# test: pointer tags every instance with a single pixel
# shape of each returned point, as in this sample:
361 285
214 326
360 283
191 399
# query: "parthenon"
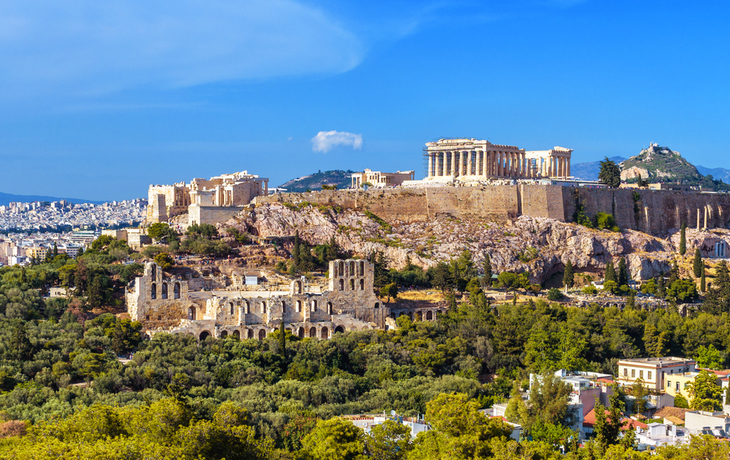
477 160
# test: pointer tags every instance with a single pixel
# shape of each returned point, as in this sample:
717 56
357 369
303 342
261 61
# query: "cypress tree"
623 273
568 275
660 285
697 264
610 272
295 251
703 286
282 342
487 265
683 240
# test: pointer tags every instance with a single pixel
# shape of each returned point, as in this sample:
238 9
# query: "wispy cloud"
324 141
92 47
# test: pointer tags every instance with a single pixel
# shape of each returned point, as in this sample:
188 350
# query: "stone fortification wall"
651 211
210 214
498 202
655 211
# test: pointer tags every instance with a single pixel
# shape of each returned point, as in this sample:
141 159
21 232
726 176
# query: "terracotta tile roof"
590 420
667 411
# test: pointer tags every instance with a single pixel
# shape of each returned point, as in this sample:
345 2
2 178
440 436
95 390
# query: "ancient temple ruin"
165 303
205 201
479 160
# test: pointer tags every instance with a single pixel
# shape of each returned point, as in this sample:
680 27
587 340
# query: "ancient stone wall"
210 214
351 305
653 211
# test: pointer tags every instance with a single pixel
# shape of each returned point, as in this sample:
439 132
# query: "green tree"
159 230
703 283
568 275
164 260
487 267
390 291
608 425
459 430
639 392
610 273
708 357
682 290
683 239
334 439
697 264
513 281
554 294
704 392
388 441
610 173
623 273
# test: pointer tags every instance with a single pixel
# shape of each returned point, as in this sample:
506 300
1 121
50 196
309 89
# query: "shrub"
590 290
554 294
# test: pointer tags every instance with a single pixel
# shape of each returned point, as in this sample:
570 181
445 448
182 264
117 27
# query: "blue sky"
100 99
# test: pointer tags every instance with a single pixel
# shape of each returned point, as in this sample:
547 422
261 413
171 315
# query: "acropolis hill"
650 211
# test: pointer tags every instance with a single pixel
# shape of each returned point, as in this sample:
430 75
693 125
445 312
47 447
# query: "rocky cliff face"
540 246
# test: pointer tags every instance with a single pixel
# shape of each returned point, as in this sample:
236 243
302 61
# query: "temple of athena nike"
472 160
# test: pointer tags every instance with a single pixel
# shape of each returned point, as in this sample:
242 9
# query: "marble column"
430 164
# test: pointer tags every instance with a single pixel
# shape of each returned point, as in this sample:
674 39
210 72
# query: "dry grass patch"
430 295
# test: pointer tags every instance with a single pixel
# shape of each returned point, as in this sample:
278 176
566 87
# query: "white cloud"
325 140
95 47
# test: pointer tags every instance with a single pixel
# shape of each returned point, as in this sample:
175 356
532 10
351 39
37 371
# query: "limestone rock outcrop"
540 246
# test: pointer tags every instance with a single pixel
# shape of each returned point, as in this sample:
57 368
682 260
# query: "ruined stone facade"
165 303
472 160
378 179
205 201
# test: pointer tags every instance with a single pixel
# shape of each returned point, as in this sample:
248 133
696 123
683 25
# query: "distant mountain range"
589 170
342 179
6 198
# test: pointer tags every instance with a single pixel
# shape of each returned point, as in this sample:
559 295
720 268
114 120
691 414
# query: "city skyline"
100 101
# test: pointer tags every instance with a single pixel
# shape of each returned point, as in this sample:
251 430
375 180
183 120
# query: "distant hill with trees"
338 177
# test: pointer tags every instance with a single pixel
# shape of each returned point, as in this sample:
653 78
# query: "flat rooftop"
664 361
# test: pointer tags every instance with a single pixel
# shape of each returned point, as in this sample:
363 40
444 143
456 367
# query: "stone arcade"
477 160
163 303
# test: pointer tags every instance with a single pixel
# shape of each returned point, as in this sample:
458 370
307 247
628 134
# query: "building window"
669 384
626 372
648 375
641 374
677 387
633 373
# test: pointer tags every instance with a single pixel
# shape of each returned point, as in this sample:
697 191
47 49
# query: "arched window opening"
314 305
164 290
204 335
262 334
230 306
339 329
283 306
250 334
248 307
362 284
154 271
342 285
176 290
313 332
362 268
429 315
341 270
263 307
299 306
325 333
301 333
153 291
224 334
191 313
237 334
352 284
377 304
329 308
